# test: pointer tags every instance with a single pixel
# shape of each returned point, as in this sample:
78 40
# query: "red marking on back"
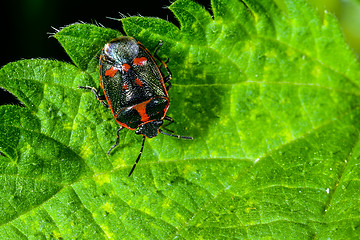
125 67
125 86
140 61
111 72
138 82
141 108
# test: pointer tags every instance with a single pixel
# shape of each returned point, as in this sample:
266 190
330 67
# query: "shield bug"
134 88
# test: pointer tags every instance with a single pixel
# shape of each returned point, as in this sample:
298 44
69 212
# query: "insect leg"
157 49
171 135
96 92
169 119
117 140
169 76
138 158
167 124
174 135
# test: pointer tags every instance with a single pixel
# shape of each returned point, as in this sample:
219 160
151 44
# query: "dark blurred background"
26 24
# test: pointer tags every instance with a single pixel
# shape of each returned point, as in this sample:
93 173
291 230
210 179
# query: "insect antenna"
173 135
138 158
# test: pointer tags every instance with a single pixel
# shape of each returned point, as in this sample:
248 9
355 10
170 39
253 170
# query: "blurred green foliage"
348 13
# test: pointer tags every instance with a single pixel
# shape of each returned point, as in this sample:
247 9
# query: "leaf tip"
52 34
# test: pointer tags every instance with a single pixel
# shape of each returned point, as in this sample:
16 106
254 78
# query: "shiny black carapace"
134 88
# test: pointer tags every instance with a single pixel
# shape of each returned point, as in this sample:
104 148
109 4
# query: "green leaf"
270 95
84 41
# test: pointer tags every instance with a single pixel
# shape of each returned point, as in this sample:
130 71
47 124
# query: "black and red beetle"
134 88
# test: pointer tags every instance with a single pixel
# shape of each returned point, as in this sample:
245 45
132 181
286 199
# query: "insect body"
134 88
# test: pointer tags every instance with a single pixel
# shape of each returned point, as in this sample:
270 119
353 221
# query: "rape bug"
134 89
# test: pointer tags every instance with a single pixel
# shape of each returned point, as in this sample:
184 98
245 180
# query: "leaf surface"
270 95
